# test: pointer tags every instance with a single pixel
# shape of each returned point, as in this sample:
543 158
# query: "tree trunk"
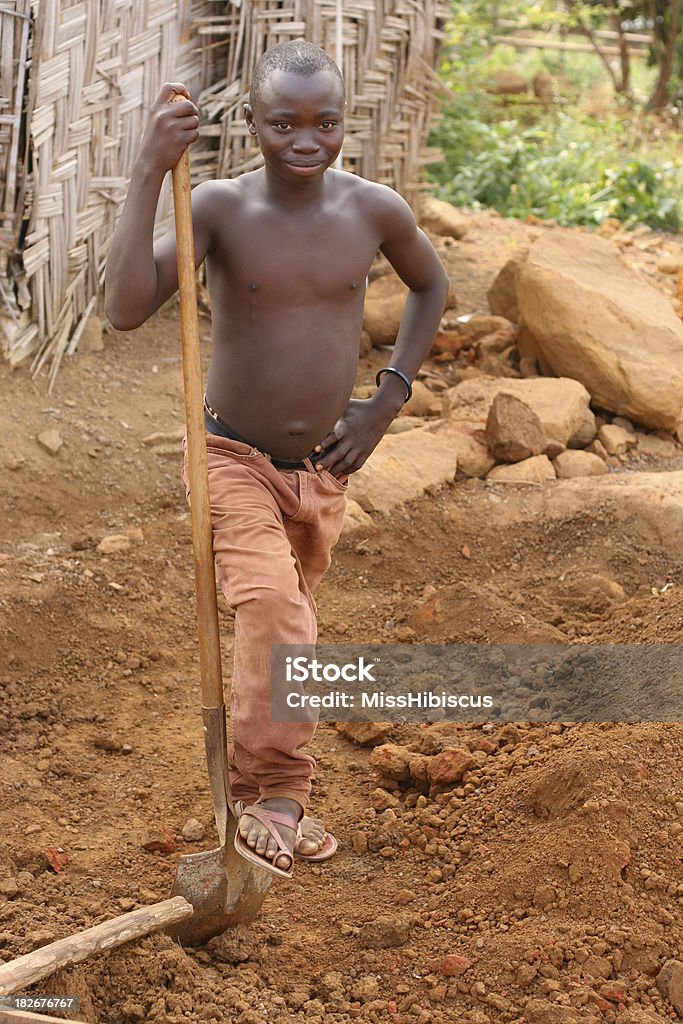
666 62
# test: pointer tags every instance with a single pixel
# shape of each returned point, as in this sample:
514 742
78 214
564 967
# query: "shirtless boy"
288 248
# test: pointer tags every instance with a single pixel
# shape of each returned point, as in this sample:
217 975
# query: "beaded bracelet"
392 369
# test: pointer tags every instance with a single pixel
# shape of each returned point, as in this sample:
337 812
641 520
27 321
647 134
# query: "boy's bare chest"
290 260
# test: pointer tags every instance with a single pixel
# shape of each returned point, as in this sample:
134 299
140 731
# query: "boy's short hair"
298 56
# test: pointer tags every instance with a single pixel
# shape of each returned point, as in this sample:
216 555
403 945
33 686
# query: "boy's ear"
249 118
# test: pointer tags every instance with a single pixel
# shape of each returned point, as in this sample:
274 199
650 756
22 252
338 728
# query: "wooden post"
40 963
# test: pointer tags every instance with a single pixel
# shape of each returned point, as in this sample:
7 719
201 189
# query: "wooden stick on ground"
30 968
24 1017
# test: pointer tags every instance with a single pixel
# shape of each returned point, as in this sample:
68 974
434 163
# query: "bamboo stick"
40 963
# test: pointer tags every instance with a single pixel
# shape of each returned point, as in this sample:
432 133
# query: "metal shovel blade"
223 888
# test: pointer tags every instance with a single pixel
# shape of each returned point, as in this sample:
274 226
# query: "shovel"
223 888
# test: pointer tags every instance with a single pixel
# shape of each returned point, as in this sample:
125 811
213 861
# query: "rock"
381 800
448 341
392 761
467 444
559 403
541 1011
401 468
544 894
365 344
355 519
384 302
92 339
621 421
651 444
51 440
114 544
588 316
585 432
670 983
578 463
670 262
537 469
449 766
502 295
441 218
638 1015
485 328
160 840
365 989
108 743
403 423
507 82
423 402
615 439
453 965
386 932
193 831
513 430
164 437
365 734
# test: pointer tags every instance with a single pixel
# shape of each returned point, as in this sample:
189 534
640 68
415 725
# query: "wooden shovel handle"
202 543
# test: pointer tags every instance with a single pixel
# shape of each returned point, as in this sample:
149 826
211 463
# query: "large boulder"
586 315
384 302
442 219
560 403
401 468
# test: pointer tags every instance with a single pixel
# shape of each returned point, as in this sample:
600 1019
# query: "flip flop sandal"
327 850
269 819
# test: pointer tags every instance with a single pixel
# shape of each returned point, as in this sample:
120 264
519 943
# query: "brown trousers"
273 533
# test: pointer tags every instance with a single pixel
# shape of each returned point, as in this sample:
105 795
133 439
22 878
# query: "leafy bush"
570 167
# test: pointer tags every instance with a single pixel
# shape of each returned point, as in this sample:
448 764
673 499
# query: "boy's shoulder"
379 203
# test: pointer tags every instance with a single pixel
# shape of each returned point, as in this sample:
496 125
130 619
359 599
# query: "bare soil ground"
547 887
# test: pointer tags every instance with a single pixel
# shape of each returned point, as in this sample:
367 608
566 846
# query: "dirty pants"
273 533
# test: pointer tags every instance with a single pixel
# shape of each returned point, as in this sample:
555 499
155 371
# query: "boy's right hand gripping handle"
202 542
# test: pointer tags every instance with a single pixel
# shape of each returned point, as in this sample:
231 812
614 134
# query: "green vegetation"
592 152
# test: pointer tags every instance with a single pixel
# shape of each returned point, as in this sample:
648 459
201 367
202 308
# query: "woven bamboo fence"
389 51
77 78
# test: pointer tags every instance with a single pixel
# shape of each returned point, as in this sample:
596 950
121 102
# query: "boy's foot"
261 841
312 832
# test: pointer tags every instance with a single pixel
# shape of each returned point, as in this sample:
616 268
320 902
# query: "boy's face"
299 121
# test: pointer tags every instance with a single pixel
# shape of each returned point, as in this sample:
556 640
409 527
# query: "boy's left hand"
354 436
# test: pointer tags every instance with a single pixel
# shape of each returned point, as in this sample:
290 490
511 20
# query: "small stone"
537 470
574 463
114 544
449 766
543 895
513 430
670 984
161 840
385 932
381 799
392 761
359 842
51 440
365 989
193 831
615 439
453 965
670 262
108 743
366 734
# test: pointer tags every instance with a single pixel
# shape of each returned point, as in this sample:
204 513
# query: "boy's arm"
141 274
414 259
